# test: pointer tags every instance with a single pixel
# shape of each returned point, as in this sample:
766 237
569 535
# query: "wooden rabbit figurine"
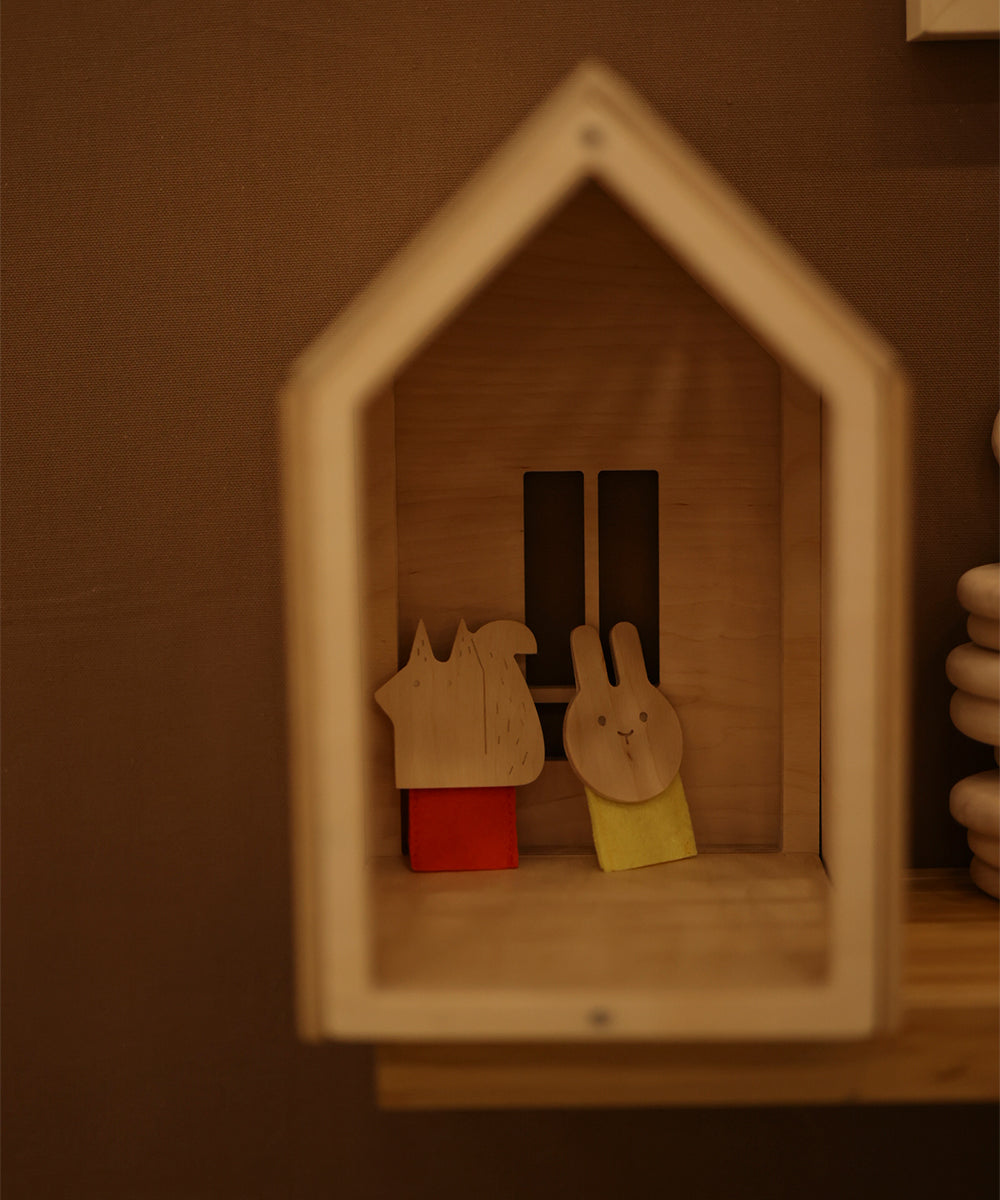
624 742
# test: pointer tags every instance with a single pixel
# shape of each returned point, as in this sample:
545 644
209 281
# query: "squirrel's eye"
602 720
643 716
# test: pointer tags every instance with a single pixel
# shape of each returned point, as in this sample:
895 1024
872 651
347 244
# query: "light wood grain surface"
984 631
975 802
622 739
946 1049
379 610
469 721
974 669
979 591
801 612
594 350
724 921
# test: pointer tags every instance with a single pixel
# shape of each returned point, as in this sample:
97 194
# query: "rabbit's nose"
622 733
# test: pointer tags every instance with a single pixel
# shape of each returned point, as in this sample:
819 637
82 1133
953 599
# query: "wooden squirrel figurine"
466 735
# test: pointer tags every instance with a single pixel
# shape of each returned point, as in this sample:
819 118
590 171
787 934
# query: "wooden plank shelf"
946 1050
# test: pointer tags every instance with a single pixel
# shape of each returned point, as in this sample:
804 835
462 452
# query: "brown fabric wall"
192 190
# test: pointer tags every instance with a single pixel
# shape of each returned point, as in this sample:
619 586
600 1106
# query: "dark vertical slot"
629 559
551 717
553 571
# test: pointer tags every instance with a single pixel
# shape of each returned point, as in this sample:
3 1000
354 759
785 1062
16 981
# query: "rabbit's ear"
626 653
588 660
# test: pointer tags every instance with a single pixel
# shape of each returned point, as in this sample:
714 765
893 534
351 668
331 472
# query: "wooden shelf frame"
946 1050
951 20
595 130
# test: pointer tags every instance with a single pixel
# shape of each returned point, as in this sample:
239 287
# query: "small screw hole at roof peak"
592 135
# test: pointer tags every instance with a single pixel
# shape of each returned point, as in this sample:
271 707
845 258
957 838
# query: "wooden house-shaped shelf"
596 340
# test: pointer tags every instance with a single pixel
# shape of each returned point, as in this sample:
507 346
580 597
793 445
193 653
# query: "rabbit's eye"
602 720
643 716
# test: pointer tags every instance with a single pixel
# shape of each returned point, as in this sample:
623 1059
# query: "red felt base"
462 829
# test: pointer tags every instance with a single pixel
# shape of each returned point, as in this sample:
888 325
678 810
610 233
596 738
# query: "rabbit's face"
624 741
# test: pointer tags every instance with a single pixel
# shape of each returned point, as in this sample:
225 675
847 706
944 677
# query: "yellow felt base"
638 835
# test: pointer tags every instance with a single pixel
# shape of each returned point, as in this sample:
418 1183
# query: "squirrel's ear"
421 649
588 659
626 654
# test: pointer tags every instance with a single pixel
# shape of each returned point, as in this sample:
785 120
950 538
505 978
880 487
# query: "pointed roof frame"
596 127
